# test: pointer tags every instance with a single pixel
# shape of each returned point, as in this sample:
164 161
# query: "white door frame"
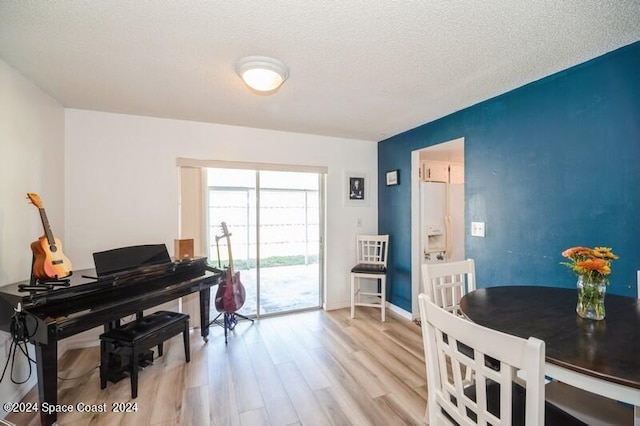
415 229
416 255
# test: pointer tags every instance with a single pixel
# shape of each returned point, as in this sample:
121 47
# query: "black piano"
125 281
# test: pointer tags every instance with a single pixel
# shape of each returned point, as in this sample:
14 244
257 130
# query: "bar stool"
371 252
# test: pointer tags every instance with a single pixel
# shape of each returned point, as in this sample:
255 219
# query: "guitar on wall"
231 293
49 263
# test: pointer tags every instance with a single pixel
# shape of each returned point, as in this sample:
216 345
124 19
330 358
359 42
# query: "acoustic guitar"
49 263
231 293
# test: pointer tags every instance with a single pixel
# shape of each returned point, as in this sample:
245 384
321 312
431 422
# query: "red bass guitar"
231 293
49 261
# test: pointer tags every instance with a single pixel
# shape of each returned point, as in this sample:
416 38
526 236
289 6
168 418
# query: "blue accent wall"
550 165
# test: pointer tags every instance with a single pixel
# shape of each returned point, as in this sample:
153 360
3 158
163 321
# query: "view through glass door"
275 223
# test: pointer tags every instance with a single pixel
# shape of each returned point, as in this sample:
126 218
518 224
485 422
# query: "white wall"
110 180
31 160
122 181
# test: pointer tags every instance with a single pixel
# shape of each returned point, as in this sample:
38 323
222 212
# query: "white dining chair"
446 283
494 398
590 408
371 263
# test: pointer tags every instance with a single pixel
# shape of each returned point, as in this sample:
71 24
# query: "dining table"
599 356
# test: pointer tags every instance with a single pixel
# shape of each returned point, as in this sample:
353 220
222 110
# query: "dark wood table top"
608 349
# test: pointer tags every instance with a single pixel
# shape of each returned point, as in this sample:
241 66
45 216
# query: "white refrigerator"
442 221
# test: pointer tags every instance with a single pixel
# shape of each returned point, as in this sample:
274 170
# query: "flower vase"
591 292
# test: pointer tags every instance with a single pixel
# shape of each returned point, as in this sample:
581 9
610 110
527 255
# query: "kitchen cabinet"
440 171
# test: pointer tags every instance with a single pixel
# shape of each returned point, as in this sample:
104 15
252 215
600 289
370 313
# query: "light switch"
477 229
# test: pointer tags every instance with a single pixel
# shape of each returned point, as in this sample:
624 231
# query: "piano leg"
205 306
47 367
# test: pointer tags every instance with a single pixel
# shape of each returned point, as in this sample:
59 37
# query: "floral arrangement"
593 264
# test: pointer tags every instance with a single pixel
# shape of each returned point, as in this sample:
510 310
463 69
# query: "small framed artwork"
356 191
392 177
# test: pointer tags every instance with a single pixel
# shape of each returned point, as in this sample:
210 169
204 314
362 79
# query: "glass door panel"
275 222
289 241
232 199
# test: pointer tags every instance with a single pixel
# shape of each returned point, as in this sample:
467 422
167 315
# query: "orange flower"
595 264
589 263
604 253
577 251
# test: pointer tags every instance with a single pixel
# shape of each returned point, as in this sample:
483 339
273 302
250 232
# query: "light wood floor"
313 368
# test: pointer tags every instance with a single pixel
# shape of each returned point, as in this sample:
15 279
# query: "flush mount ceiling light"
262 73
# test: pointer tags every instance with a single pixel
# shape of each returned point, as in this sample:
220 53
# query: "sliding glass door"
275 221
289 241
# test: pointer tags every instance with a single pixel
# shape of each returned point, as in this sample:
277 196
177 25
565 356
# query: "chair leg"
426 413
185 335
133 365
353 296
104 360
383 295
160 349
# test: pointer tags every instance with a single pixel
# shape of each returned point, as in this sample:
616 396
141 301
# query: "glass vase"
591 292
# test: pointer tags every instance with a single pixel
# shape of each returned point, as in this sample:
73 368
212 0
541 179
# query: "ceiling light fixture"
261 73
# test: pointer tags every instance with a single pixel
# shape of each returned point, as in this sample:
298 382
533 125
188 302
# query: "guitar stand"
229 319
228 322
36 284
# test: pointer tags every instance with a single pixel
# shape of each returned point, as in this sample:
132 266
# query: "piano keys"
99 297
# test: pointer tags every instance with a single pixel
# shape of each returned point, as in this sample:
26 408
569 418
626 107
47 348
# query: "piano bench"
133 340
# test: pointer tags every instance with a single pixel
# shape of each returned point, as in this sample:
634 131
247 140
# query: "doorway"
437 209
275 220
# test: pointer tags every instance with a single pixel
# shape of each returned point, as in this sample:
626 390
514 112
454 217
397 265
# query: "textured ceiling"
363 69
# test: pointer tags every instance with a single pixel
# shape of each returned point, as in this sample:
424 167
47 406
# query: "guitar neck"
230 256
46 226
227 235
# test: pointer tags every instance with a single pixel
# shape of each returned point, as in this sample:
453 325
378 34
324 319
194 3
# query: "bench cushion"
144 326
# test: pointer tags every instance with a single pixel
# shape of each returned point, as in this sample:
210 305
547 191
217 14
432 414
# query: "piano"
125 281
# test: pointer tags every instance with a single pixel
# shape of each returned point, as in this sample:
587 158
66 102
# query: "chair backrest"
372 249
446 283
452 345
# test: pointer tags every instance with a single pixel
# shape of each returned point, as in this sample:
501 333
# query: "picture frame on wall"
392 177
356 189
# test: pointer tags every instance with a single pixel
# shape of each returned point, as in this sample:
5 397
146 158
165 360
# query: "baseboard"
15 392
334 306
393 308
21 391
86 339
400 312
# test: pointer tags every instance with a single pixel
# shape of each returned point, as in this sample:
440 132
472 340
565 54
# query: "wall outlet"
477 229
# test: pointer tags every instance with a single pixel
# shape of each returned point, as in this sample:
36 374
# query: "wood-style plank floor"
311 368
